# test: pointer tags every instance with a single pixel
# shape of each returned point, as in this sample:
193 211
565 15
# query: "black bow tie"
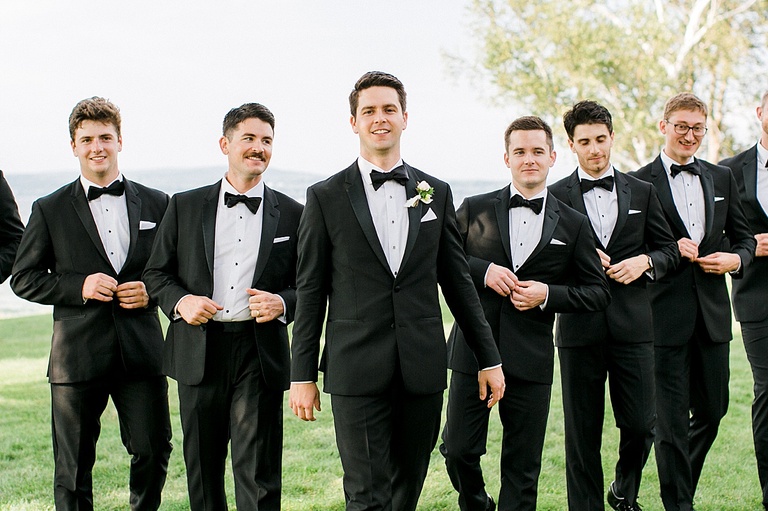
117 188
604 182
252 203
379 178
535 205
688 167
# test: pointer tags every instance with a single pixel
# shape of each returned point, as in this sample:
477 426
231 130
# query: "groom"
375 240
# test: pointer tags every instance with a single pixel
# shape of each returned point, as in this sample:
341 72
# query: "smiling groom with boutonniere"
377 265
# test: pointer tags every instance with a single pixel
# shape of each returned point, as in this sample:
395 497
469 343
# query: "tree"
631 56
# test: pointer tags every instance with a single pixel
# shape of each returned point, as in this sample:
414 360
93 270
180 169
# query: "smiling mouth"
255 157
380 132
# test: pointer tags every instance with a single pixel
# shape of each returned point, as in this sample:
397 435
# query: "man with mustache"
691 309
223 270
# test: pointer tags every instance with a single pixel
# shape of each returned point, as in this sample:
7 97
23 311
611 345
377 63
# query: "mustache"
259 155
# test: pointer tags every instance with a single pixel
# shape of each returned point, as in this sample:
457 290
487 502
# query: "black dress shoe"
620 503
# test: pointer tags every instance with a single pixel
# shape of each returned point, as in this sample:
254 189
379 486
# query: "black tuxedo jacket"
676 296
379 323
11 229
748 293
565 259
640 229
182 264
59 249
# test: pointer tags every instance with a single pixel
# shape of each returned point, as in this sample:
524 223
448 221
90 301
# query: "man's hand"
197 310
132 295
719 262
629 269
605 259
528 294
99 286
500 279
762 245
688 249
264 306
493 378
304 399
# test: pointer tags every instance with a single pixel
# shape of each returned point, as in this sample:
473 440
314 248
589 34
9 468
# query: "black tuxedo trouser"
523 413
755 335
145 429
691 399
232 402
385 443
584 370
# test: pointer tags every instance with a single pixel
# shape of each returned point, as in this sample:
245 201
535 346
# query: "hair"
375 79
529 123
94 109
586 112
684 101
244 112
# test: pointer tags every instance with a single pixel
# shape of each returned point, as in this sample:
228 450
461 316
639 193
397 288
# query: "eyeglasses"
683 129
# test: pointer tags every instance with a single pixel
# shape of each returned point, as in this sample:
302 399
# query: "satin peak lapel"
208 215
133 202
502 221
268 229
80 203
551 218
414 214
624 199
575 195
708 186
660 181
356 194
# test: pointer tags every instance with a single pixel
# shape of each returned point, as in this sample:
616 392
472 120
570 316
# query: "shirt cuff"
176 316
485 277
281 318
546 299
489 368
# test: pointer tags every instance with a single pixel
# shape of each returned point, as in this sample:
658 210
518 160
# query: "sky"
175 68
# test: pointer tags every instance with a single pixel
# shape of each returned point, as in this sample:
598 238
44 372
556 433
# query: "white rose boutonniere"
424 193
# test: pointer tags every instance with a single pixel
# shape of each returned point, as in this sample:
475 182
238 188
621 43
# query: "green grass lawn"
312 472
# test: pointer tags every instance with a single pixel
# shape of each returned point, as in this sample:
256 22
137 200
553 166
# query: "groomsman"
691 309
11 229
223 270
375 241
636 246
83 252
530 256
750 169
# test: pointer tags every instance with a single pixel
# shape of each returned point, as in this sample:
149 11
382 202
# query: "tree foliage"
630 55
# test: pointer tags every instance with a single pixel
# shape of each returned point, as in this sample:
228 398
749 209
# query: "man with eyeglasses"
691 309
750 169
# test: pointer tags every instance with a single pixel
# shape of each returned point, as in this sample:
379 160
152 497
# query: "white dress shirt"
524 228
762 177
390 216
110 213
602 207
689 198
237 243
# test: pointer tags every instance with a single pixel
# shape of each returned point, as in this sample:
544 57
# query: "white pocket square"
281 239
428 216
718 199
145 224
555 241
634 211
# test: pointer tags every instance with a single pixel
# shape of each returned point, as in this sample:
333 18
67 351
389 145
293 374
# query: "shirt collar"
87 184
256 191
367 167
583 176
762 154
668 162
514 191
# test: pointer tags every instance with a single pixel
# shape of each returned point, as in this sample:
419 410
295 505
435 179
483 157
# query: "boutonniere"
423 193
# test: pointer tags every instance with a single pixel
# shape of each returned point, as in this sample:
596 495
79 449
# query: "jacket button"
397 289
392 326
